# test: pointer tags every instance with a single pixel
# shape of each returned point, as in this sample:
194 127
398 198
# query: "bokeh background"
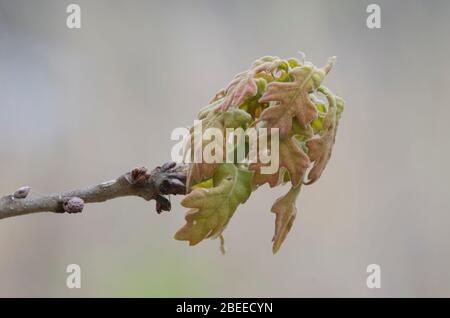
78 107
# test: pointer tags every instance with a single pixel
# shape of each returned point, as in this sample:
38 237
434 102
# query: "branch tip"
167 179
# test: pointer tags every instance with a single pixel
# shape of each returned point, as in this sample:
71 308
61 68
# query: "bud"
21 193
73 205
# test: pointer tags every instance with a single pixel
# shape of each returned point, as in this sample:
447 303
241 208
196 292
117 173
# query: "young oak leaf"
320 146
292 98
244 85
285 210
211 107
291 158
232 118
208 117
212 208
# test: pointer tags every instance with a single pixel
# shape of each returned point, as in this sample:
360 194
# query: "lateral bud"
138 176
21 193
73 205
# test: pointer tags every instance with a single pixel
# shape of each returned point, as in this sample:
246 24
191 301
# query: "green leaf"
212 208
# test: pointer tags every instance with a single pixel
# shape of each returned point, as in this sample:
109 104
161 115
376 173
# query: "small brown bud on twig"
73 205
139 176
21 193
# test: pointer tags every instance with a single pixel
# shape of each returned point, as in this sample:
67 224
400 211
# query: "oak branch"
168 179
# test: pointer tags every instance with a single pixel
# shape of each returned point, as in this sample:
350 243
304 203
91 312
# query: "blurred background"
78 107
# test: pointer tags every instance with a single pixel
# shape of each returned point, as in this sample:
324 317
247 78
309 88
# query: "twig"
168 179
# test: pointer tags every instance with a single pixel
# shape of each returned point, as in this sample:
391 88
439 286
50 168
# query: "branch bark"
168 179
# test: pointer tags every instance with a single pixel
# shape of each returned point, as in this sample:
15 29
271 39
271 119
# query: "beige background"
80 107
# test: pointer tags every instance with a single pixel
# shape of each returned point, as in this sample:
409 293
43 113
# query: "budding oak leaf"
212 208
292 98
320 146
212 118
285 210
291 158
244 85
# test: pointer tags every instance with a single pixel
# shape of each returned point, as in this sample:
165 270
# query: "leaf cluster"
273 93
